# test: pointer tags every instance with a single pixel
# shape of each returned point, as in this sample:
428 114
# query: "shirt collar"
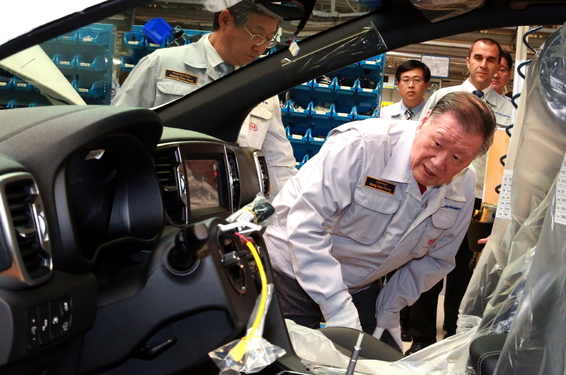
416 110
488 92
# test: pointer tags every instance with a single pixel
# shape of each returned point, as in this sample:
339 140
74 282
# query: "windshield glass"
91 64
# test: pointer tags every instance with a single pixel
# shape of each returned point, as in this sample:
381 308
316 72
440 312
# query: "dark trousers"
299 307
422 321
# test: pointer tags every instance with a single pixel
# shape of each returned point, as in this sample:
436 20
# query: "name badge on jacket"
374 183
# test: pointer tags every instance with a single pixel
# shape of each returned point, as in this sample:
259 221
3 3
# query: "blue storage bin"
303 161
134 39
5 83
322 112
285 107
12 104
303 111
127 63
93 37
343 89
96 90
297 136
343 112
96 65
21 85
324 87
367 91
305 86
68 38
375 64
157 30
64 60
317 139
361 112
150 46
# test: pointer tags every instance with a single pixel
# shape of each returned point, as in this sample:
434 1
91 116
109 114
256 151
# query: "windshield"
91 64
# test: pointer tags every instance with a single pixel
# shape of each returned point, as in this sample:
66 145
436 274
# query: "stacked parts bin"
84 56
312 109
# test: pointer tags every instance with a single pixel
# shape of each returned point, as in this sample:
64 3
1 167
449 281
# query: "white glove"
395 333
346 317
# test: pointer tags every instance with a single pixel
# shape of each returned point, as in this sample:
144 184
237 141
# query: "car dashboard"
112 254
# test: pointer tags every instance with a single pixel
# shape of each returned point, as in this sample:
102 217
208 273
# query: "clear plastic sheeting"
252 353
540 139
535 343
438 10
449 356
335 55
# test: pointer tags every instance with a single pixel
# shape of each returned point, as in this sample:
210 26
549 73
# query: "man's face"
441 150
502 76
238 47
412 86
483 63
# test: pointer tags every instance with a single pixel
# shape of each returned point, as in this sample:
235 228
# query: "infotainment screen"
202 176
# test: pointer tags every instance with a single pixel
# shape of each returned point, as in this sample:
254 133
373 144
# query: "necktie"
478 93
224 68
408 114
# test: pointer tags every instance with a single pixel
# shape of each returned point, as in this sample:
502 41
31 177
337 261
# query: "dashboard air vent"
263 174
167 165
234 181
25 228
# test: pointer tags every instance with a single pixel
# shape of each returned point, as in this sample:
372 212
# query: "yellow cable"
239 350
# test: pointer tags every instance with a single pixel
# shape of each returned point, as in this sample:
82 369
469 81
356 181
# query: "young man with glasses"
502 77
241 34
412 79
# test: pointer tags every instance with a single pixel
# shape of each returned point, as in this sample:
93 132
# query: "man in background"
483 63
412 79
502 77
241 34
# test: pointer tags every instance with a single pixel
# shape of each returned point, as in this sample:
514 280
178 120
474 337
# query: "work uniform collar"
398 168
205 57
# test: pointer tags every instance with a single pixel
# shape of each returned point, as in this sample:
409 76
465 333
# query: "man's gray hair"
474 115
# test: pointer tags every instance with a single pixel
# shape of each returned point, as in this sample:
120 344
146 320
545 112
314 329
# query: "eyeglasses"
417 81
258 40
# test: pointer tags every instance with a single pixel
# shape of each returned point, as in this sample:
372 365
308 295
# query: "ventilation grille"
167 163
234 181
263 174
25 221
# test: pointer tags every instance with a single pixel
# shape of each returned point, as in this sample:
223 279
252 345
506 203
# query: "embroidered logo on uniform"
452 208
374 183
181 77
431 242
253 127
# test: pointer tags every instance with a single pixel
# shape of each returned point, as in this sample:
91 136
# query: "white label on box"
560 211
504 205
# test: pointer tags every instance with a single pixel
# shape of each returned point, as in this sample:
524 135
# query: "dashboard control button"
32 316
66 305
55 316
44 323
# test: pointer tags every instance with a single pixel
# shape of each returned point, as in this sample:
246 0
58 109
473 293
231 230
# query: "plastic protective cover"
436 10
518 286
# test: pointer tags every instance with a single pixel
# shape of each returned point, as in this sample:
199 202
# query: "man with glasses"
241 34
502 77
412 78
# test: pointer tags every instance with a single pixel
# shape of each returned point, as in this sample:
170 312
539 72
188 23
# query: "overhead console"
203 179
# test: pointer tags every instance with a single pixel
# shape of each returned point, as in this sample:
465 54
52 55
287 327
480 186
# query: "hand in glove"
346 317
394 332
